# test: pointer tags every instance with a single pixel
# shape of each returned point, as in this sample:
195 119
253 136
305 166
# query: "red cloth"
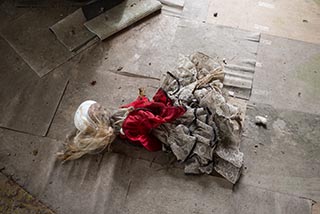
148 115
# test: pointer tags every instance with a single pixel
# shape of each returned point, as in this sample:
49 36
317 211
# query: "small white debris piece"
261 120
266 5
231 93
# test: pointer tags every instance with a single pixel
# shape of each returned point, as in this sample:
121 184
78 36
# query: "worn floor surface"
278 77
292 19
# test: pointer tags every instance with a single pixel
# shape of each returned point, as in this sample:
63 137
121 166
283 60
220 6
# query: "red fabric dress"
148 115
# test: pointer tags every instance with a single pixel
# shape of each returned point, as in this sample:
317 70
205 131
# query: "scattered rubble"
261 121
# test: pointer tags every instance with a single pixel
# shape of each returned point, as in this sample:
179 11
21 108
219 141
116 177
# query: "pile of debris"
188 116
207 136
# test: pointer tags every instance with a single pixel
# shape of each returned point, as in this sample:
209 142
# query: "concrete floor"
282 162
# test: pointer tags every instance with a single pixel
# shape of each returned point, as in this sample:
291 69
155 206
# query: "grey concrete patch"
31 38
121 16
28 103
195 10
285 156
252 200
71 31
172 192
289 74
107 183
113 183
237 47
287 18
167 160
